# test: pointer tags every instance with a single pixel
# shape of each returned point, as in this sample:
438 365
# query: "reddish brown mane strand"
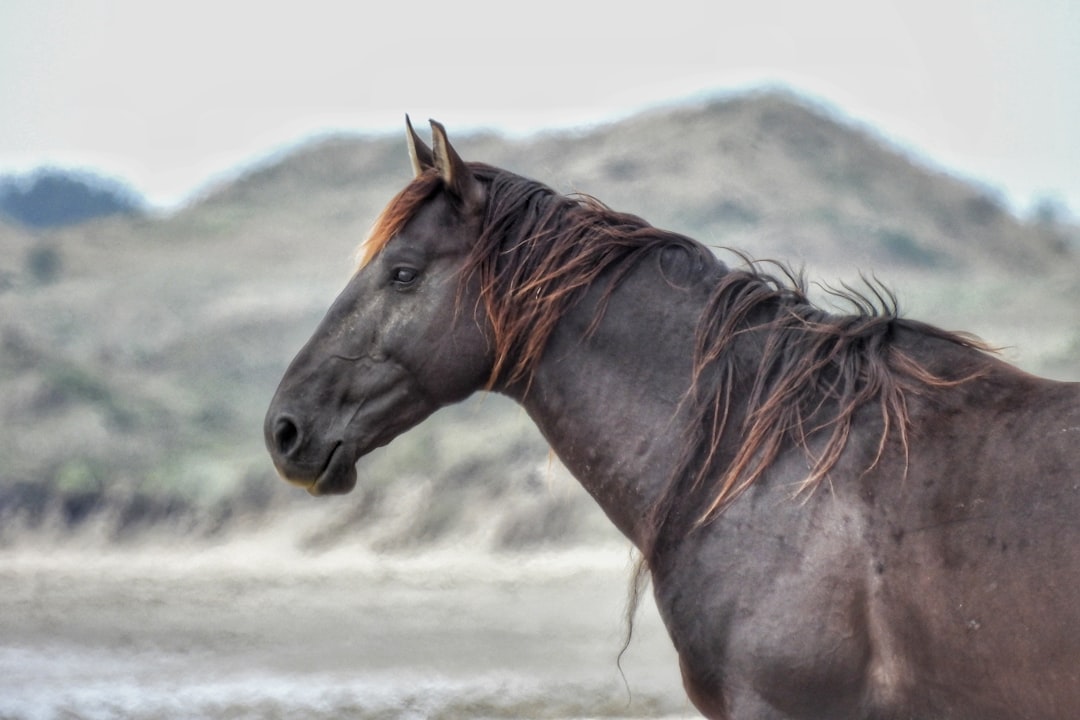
539 252
396 214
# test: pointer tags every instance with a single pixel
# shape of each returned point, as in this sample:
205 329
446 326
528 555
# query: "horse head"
403 338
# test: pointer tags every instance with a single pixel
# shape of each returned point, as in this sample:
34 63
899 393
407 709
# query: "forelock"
397 213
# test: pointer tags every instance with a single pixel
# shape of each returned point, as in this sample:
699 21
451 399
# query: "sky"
170 96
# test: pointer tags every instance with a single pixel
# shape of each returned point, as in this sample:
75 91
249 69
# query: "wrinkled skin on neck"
613 411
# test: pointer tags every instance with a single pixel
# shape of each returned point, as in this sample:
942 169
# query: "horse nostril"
286 436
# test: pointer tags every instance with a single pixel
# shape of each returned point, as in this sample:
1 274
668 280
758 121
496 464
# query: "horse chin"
339 476
336 485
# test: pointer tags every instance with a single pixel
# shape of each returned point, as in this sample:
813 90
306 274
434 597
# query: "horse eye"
404 276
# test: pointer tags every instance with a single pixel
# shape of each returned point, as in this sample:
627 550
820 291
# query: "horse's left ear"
419 152
452 169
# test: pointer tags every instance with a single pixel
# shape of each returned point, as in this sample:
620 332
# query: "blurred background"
181 192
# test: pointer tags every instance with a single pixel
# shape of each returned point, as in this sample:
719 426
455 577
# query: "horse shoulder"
767 605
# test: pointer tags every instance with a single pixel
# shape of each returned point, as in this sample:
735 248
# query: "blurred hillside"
138 354
53 197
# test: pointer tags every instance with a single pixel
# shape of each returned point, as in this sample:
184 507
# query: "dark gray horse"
853 516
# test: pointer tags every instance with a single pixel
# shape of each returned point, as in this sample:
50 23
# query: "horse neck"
609 398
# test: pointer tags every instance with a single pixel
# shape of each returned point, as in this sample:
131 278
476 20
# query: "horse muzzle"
319 468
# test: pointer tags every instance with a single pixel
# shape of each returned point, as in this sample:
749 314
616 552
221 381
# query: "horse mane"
539 251
813 372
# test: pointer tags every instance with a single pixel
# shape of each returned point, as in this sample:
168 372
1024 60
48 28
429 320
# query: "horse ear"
453 170
419 153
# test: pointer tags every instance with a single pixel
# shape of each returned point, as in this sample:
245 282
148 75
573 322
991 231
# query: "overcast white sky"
167 95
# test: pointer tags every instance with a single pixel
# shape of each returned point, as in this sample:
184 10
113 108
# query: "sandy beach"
252 628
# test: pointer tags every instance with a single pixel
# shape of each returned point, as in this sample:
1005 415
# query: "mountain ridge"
738 170
134 372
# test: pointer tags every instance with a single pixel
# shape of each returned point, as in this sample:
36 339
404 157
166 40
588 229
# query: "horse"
843 514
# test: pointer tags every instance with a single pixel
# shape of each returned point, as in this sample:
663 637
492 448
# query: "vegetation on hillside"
137 355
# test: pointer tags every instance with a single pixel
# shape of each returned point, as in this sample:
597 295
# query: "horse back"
940 583
976 549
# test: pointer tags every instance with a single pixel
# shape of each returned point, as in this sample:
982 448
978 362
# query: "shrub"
43 263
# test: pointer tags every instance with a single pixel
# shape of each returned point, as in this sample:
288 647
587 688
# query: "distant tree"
1050 211
44 263
52 197
1057 223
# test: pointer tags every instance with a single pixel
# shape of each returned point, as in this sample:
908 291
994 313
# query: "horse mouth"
338 476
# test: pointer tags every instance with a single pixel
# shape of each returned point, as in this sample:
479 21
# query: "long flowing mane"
813 373
539 252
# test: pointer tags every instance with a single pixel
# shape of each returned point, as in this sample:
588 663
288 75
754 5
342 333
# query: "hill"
54 197
134 373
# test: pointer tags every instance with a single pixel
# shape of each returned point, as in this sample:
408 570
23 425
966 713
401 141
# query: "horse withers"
843 516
